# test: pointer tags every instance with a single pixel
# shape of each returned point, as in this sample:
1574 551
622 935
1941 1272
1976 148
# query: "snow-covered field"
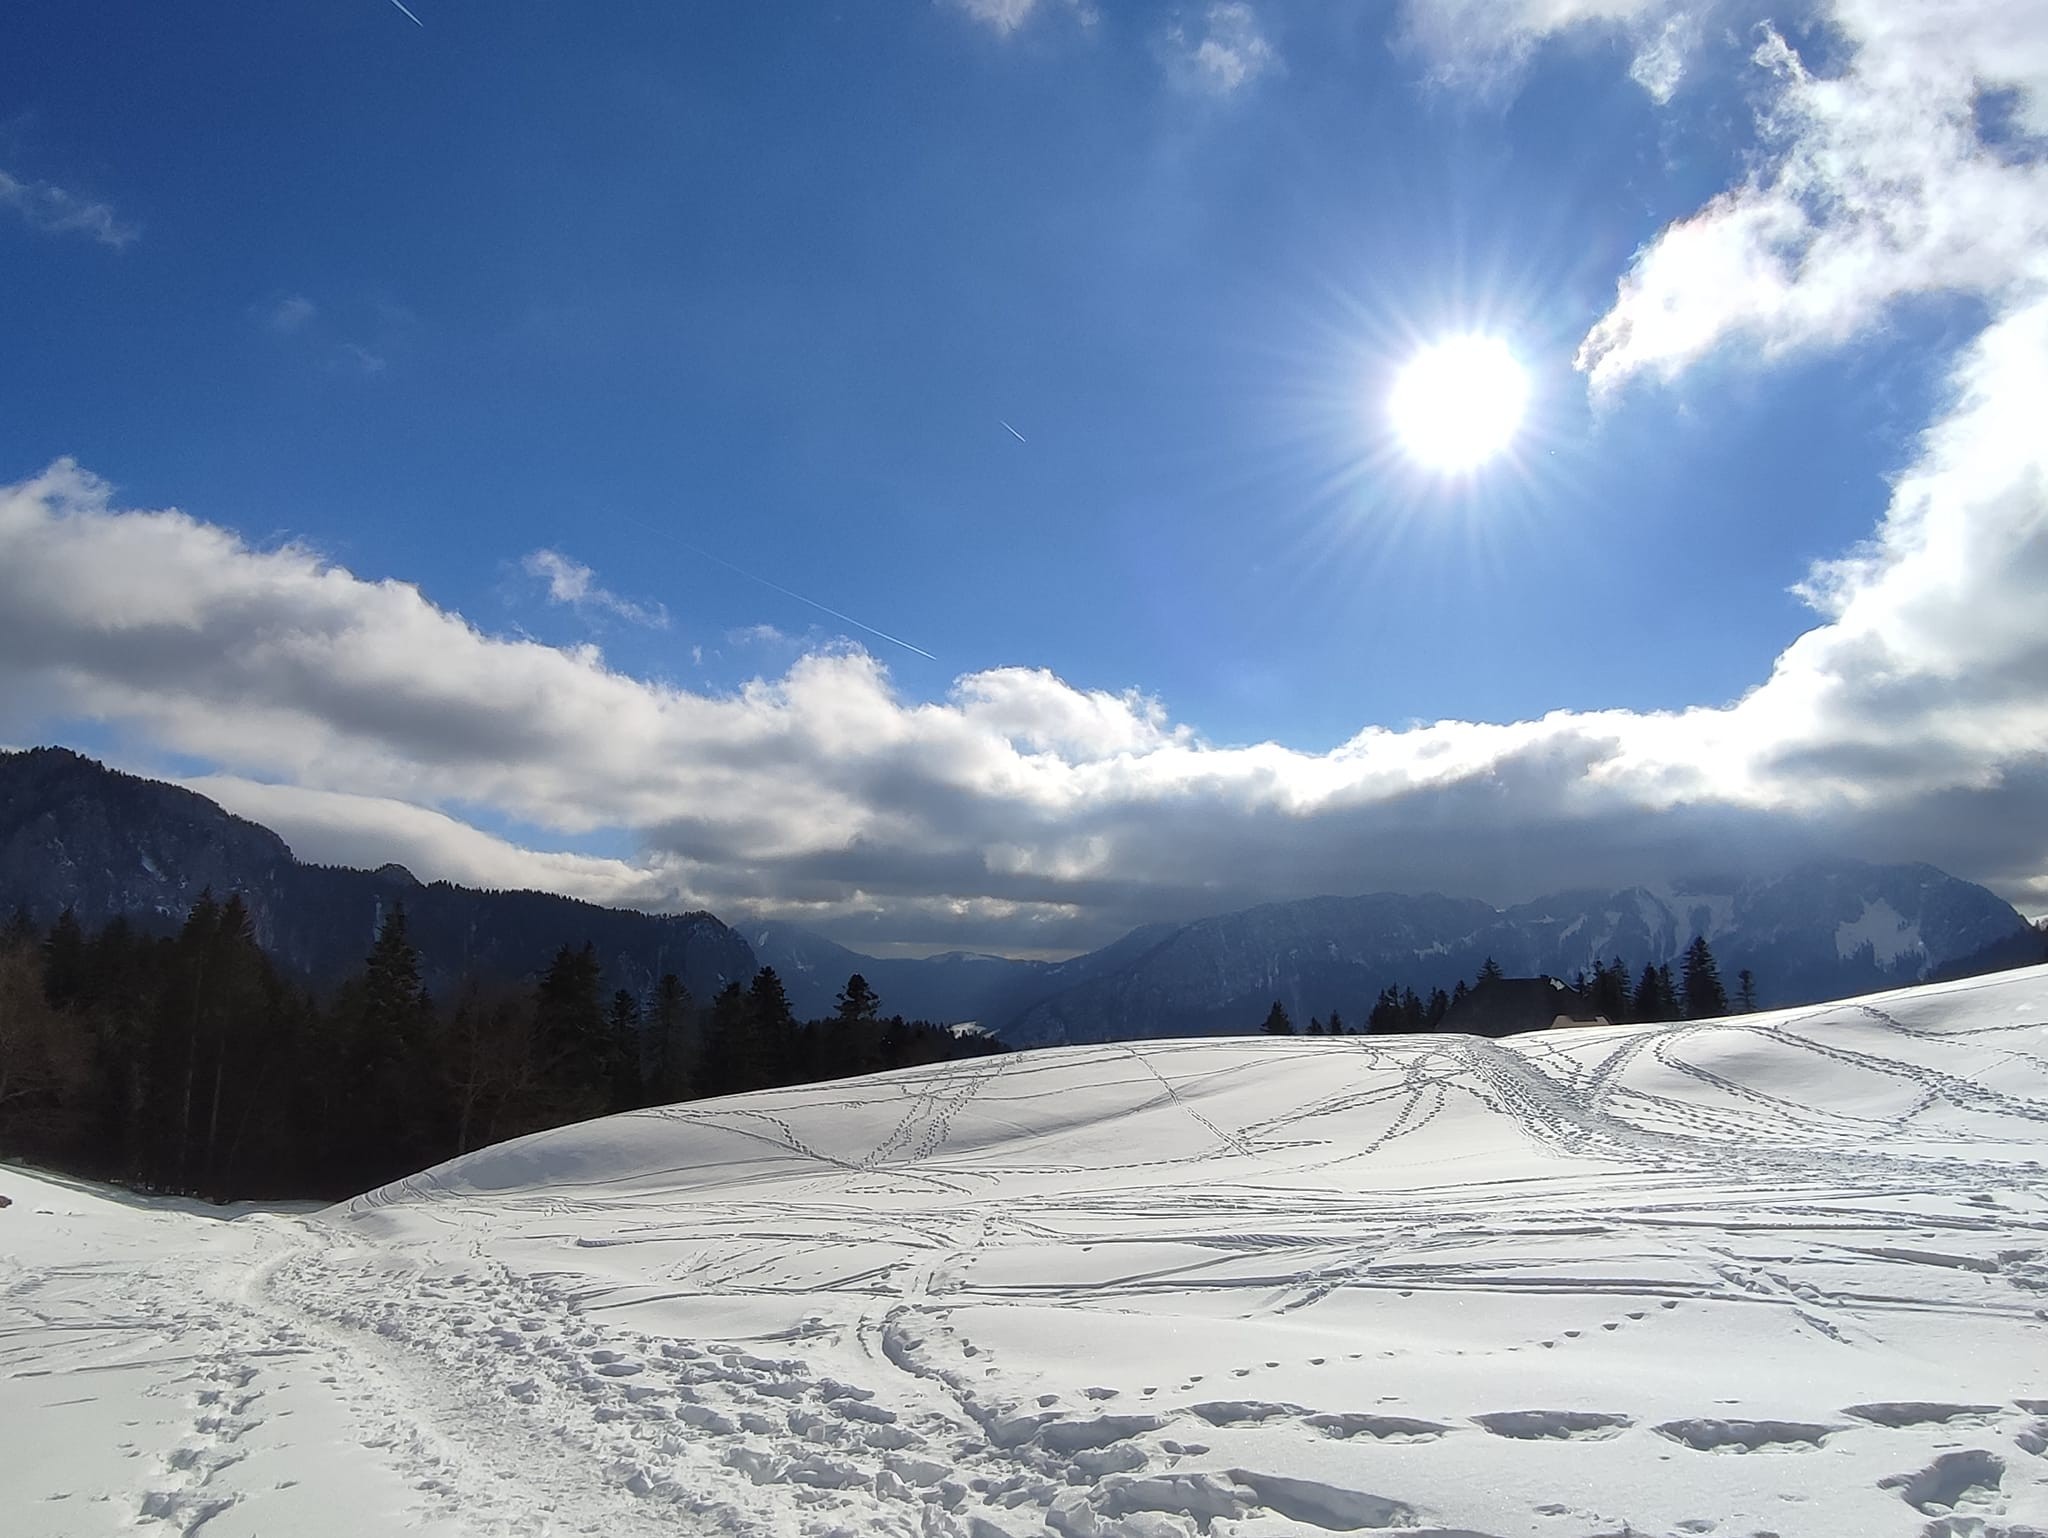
1787 1274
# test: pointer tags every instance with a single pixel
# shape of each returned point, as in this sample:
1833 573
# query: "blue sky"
566 316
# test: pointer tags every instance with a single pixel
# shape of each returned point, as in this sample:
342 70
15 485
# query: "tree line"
1655 995
190 1063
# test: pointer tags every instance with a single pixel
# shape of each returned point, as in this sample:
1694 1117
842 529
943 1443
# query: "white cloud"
360 358
1659 64
1001 16
1022 811
571 582
55 211
1230 52
1876 186
290 314
297 316
1485 44
1005 17
1041 713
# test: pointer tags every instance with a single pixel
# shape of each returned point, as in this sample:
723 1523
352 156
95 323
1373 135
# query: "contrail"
775 586
1013 431
415 20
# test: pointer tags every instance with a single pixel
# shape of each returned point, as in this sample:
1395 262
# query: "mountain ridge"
77 834
74 833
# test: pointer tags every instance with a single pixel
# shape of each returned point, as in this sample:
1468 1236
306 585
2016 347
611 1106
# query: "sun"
1458 402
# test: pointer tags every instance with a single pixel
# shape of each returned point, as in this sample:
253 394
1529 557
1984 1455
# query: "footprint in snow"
1553 1425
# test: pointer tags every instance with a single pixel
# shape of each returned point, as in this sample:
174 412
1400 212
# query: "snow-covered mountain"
1822 931
1778 1274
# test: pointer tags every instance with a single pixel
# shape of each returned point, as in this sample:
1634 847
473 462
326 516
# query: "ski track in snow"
1785 1274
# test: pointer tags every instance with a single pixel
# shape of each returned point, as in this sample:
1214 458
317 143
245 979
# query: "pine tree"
215 1024
727 1043
1608 990
774 1025
487 1065
671 1042
1489 971
1386 1013
386 1104
622 1026
857 1001
572 1038
1277 1023
1439 1006
64 965
1413 1016
1315 1025
1745 991
393 995
1649 1004
44 1065
1336 1024
1705 998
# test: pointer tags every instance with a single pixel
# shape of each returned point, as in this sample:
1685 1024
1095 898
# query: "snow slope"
1785 1274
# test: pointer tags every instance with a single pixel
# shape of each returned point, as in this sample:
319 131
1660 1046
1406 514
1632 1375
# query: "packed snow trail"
1779 1274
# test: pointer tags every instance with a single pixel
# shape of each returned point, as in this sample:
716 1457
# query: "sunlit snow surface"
1780 1275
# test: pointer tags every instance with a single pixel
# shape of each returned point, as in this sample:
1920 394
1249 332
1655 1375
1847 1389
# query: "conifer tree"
857 1001
1386 1013
1653 1000
1705 998
1413 1015
572 1038
43 1065
1608 989
774 1025
383 1109
1336 1024
487 1052
671 1042
214 1018
622 1026
1745 991
1489 971
727 1043
64 962
1277 1023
